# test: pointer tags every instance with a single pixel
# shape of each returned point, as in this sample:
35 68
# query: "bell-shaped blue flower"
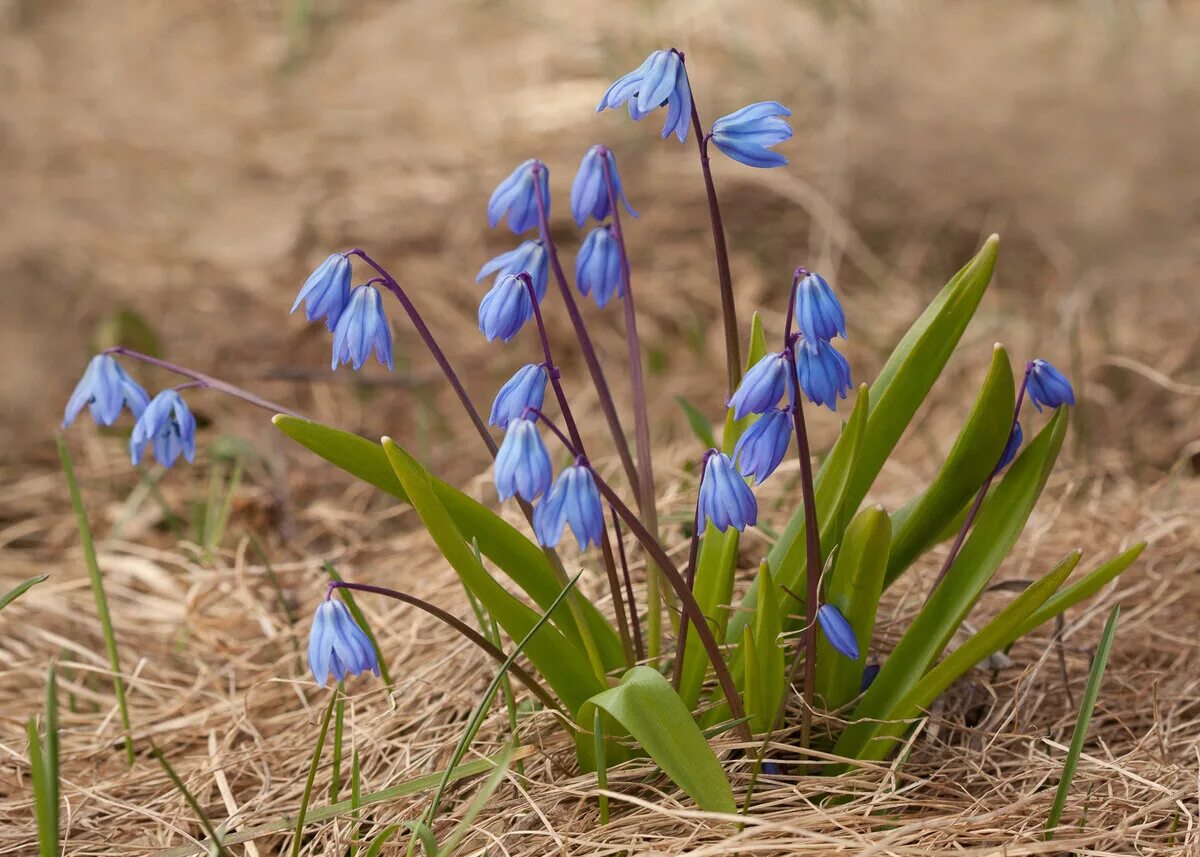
337 646
505 309
822 371
748 134
660 80
107 389
526 389
725 498
517 197
326 291
575 500
838 631
1048 386
529 257
869 674
762 446
362 327
522 465
589 191
819 313
169 426
1015 437
761 387
598 266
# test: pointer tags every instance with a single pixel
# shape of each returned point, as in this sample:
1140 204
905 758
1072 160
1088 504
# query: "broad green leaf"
854 589
1085 587
559 660
701 425
971 460
771 671
753 697
996 530
650 710
20 589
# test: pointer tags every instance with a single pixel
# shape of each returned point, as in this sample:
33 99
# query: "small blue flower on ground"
505 309
598 266
838 631
1048 386
819 313
362 327
326 291
337 646
725 498
529 257
516 196
760 449
107 389
1015 438
661 79
761 387
748 134
822 371
169 426
525 389
522 463
573 500
589 191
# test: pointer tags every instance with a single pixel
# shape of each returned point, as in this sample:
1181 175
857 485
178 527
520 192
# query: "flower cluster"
355 316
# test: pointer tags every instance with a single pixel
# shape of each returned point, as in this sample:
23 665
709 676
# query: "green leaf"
20 589
996 530
854 589
701 425
477 803
646 705
772 677
1085 587
381 838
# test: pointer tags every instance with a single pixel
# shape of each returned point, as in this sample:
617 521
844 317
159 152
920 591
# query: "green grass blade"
700 424
381 838
46 829
339 724
477 803
50 750
1090 695
297 836
1085 587
97 581
361 620
20 589
213 837
598 747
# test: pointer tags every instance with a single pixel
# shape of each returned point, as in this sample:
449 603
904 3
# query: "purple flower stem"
638 645
697 528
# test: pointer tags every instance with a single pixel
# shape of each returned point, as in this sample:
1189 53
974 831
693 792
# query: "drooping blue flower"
529 257
107 388
169 426
516 196
819 313
761 387
725 498
661 79
747 134
522 463
1015 438
870 673
838 631
575 500
598 266
337 646
589 191
363 326
525 389
1048 386
822 371
505 309
760 449
326 291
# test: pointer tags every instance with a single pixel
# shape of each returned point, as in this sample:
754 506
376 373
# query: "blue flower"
525 389
589 191
761 387
748 134
505 309
870 673
169 426
516 196
1048 386
1015 438
522 463
822 371
598 266
725 498
574 499
107 388
363 326
760 449
661 79
838 631
337 646
819 314
326 291
529 257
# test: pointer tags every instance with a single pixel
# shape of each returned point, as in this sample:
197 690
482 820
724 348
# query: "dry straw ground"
191 160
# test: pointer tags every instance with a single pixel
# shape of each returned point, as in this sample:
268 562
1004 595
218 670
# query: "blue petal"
838 631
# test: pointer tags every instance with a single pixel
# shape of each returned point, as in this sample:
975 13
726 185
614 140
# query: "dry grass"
173 159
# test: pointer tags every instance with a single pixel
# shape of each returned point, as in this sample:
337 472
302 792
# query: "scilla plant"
731 662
